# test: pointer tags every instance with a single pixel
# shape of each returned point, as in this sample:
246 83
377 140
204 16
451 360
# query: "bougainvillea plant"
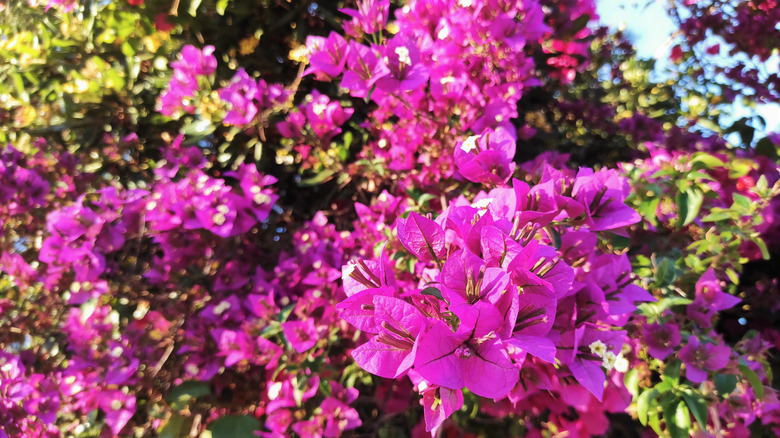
400 219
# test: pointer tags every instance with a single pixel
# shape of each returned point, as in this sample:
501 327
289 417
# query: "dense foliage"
363 218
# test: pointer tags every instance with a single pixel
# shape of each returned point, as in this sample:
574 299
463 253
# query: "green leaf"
663 387
424 198
175 427
643 404
182 395
234 426
761 246
649 208
672 370
754 380
655 422
197 130
631 380
725 384
221 6
654 311
732 275
665 272
743 202
678 420
20 88
706 161
697 406
718 216
193 10
682 416
688 205
285 312
432 291
319 178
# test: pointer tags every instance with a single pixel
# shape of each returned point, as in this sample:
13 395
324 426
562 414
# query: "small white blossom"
608 362
598 348
319 108
470 143
403 55
218 219
274 390
483 203
221 307
261 198
621 364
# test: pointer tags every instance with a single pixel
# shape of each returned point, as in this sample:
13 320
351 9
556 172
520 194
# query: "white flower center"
483 203
319 108
621 364
261 198
470 143
598 348
403 55
609 360
218 219
221 307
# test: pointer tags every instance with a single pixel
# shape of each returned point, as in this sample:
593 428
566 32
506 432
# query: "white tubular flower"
608 362
470 143
598 348
403 55
621 364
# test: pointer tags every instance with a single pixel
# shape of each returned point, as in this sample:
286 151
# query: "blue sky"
649 28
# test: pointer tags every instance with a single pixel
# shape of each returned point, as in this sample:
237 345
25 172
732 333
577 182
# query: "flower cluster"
510 282
246 97
24 187
189 72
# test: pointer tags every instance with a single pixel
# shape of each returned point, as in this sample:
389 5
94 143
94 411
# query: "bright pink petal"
490 372
422 237
590 375
540 347
449 401
436 360
382 359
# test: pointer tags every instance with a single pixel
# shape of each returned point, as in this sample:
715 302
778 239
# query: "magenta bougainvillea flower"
403 61
464 276
497 297
487 158
365 68
422 237
240 94
661 339
302 335
327 56
700 358
601 194
439 403
191 65
709 299
370 17
392 351
473 357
